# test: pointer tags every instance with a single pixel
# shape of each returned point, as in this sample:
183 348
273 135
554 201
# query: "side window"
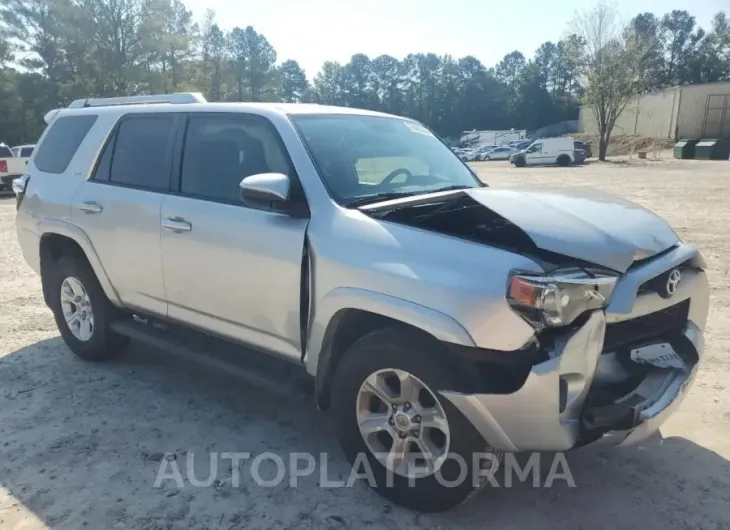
221 150
26 152
142 155
8 153
104 166
61 142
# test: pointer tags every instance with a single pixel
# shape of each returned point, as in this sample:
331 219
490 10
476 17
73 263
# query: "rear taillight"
20 184
3 166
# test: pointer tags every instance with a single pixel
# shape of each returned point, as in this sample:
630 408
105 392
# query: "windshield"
372 156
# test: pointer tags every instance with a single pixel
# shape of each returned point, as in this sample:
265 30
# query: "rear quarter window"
61 142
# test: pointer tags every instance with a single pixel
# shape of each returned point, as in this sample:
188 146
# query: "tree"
387 78
253 59
54 51
293 81
678 32
611 75
645 28
217 52
328 84
710 59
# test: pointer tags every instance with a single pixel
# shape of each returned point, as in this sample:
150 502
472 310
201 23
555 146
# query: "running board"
254 367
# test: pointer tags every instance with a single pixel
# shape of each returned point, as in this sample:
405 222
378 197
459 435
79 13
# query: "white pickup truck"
10 168
23 151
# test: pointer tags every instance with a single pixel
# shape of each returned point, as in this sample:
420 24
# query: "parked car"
498 153
439 320
10 168
546 151
584 146
23 152
478 152
519 144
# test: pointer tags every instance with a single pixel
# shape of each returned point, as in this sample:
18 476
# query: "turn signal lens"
522 291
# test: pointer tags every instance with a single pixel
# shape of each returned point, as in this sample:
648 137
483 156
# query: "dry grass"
626 144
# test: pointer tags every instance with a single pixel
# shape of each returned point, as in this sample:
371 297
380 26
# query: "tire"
102 343
407 350
486 158
519 162
563 160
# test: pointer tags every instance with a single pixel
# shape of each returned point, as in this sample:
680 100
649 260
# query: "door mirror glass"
267 190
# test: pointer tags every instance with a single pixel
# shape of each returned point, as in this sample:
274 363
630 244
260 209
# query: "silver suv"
439 319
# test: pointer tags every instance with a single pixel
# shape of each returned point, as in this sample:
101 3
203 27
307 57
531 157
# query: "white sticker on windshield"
417 128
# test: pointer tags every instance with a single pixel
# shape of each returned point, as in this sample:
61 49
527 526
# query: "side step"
254 367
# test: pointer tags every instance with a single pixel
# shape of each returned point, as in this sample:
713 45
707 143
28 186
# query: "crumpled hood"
585 224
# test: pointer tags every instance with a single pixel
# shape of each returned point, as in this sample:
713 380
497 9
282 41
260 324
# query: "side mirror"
265 190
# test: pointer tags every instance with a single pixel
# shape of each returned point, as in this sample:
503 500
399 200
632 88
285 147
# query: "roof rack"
177 97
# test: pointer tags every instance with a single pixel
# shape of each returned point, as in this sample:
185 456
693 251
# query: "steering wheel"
388 179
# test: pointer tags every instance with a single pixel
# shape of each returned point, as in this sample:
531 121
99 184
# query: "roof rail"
177 97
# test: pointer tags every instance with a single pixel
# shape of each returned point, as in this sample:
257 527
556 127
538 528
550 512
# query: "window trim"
111 140
299 202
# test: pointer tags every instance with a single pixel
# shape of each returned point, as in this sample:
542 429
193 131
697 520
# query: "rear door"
231 269
119 207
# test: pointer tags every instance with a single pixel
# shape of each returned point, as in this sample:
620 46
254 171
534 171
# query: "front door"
230 269
534 154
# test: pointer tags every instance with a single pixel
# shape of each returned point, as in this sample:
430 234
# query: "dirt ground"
81 444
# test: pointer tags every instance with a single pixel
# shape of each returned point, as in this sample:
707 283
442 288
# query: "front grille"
658 283
661 323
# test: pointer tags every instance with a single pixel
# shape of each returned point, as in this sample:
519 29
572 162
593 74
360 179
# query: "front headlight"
558 298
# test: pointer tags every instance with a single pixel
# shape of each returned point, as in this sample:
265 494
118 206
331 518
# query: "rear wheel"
563 160
486 158
82 311
421 451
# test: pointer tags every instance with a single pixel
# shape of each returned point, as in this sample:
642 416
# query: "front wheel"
420 450
520 162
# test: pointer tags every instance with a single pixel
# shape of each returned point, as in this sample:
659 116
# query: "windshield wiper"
389 195
377 197
452 188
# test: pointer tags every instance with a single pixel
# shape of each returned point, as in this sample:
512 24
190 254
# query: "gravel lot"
81 444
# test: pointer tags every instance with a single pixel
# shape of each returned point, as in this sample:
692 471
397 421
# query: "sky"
315 31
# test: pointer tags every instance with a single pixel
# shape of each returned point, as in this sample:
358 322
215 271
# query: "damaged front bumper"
584 393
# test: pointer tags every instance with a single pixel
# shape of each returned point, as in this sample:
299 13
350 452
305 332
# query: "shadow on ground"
82 445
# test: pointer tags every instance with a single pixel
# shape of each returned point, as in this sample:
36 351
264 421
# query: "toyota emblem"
673 282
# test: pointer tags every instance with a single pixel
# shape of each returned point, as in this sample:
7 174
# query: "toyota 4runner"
437 317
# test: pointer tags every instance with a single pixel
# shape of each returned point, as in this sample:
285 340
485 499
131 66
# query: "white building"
689 111
492 137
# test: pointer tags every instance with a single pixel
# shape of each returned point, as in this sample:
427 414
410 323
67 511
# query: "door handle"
89 207
176 224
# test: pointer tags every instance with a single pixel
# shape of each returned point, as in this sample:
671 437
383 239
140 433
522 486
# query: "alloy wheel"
76 308
402 423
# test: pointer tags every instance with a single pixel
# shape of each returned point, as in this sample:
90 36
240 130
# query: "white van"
560 151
